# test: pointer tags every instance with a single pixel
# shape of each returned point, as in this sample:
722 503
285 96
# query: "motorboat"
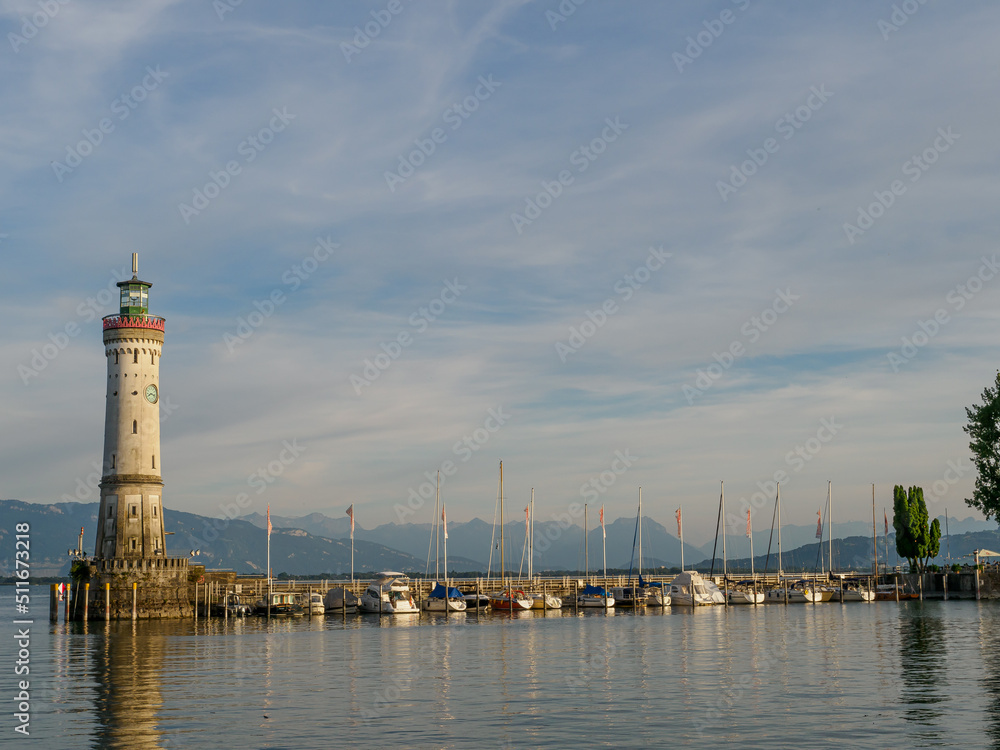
690 589
743 592
854 593
340 600
629 596
594 596
798 592
314 604
236 607
444 600
389 594
510 598
657 594
476 601
281 605
545 601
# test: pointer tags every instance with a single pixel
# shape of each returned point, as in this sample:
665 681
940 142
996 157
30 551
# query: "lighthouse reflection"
127 667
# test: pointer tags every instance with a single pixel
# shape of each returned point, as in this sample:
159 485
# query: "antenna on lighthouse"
135 265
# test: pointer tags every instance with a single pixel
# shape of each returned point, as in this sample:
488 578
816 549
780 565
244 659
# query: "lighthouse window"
112 460
154 466
116 358
135 357
135 427
154 511
134 511
133 544
111 510
152 361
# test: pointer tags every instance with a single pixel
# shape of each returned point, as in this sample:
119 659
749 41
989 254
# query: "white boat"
388 594
341 601
742 595
476 601
545 601
314 604
629 596
444 600
657 595
798 593
690 589
594 596
857 594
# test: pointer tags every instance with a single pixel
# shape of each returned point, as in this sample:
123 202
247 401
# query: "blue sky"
704 160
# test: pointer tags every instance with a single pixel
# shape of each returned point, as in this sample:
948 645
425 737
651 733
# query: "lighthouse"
130 524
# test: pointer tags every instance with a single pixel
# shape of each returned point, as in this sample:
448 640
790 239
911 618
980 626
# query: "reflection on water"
922 659
852 675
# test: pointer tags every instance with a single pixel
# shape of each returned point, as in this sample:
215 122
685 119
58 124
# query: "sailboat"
442 598
797 591
633 595
745 592
539 599
594 596
507 598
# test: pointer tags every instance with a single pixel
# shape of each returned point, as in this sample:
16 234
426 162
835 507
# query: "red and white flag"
678 522
819 524
603 530
350 513
526 516
444 521
886 522
748 523
269 519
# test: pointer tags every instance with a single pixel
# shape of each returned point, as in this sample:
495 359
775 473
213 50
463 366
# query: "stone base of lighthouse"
161 590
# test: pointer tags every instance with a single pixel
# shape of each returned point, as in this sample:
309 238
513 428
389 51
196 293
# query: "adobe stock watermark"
249 148
957 298
565 9
796 460
898 18
31 25
454 116
786 126
224 7
463 450
419 321
363 35
953 473
626 287
581 158
704 39
259 480
751 330
88 486
293 278
914 168
592 490
92 308
122 106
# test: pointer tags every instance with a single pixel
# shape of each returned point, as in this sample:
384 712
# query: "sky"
612 245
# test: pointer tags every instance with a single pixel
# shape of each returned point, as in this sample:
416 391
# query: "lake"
885 674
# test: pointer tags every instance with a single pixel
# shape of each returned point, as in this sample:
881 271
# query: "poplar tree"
984 430
916 540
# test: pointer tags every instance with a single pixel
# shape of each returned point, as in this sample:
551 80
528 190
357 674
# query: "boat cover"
648 584
593 591
438 593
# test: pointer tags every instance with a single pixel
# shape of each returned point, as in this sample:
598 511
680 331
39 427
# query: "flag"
886 522
603 530
819 524
525 520
678 522
350 513
748 523
444 521
269 519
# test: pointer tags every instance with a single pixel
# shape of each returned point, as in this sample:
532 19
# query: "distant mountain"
237 545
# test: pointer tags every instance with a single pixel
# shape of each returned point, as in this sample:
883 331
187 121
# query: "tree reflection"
923 657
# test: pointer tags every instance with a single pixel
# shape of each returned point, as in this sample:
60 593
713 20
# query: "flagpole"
874 535
680 533
750 536
604 535
269 560
350 514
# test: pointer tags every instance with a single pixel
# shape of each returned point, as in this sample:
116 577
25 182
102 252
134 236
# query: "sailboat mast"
531 533
829 520
604 542
777 500
751 545
503 572
722 502
586 545
640 533
437 526
444 515
874 534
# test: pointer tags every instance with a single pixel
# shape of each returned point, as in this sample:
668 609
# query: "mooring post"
86 601
53 603
135 587
946 584
196 601
69 590
920 584
107 602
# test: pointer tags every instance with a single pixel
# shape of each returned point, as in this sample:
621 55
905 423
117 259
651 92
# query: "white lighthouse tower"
130 525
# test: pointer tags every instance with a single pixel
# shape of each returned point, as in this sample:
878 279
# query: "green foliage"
984 430
917 541
80 571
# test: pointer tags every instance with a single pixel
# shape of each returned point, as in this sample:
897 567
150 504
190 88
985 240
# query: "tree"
917 541
984 430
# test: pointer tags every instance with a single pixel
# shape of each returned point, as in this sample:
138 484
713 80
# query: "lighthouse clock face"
151 394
